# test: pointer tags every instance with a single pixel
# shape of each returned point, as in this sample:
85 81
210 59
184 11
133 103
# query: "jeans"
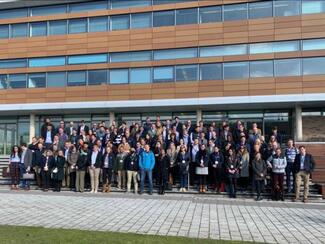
22 170
145 172
184 180
107 176
46 177
289 172
232 186
259 187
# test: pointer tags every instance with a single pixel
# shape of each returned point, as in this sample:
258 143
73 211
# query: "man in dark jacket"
81 167
25 164
304 164
132 167
217 168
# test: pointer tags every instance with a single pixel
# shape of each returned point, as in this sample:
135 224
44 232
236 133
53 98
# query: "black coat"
259 167
132 162
98 162
309 163
163 166
232 163
202 156
50 163
217 157
111 160
59 163
183 160
82 161
37 158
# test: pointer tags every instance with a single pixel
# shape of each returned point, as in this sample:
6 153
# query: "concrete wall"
313 128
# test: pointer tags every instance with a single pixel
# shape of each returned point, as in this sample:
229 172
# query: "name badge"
121 161
215 162
201 161
183 161
132 163
232 166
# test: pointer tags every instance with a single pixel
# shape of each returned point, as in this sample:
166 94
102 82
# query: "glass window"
235 70
313 6
38 29
88 6
17 81
261 68
288 46
140 75
257 48
48 10
3 81
156 2
186 72
14 63
36 80
97 77
163 18
58 27
210 14
130 3
97 24
186 16
120 22
118 76
87 59
313 44
211 72
235 12
163 74
77 78
314 66
142 20
286 8
175 53
56 79
19 30
260 10
223 50
77 26
13 13
4 31
43 62
287 67
130 56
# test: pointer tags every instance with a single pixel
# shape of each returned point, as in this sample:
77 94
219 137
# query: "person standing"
95 163
290 152
232 169
183 160
58 170
278 163
162 171
217 168
46 167
259 174
14 162
132 167
25 164
36 162
81 167
73 156
243 159
304 164
120 167
202 170
146 164
107 168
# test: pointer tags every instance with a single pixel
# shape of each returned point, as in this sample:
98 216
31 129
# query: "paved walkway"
174 215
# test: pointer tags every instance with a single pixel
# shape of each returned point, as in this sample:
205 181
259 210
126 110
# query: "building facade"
124 60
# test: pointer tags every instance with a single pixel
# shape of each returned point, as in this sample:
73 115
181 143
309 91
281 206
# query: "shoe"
184 190
181 189
150 193
95 191
203 189
295 199
305 200
140 192
92 191
282 198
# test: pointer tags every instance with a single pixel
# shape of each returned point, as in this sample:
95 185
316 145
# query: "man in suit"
179 126
25 164
48 136
83 127
304 164
70 128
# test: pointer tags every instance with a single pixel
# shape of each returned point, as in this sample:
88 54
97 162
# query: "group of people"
218 158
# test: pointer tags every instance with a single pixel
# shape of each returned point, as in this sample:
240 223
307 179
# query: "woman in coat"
172 172
232 169
202 167
58 170
162 171
108 163
14 161
259 170
243 158
217 168
183 161
46 168
81 167
72 162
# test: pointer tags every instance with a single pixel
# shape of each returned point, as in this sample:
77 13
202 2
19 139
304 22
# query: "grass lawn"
26 235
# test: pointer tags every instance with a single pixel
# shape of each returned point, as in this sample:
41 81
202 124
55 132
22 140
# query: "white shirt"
48 137
302 162
93 157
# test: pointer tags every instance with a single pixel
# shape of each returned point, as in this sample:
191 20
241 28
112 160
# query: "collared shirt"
302 162
48 137
106 161
93 157
23 156
66 152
